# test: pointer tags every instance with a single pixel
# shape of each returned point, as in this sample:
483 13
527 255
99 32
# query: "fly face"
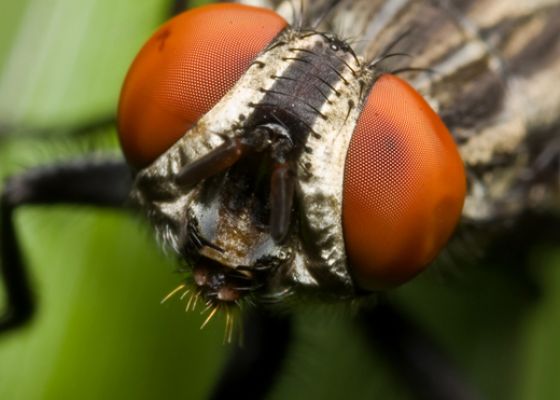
252 192
303 177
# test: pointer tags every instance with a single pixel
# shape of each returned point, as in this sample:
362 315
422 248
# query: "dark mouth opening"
220 284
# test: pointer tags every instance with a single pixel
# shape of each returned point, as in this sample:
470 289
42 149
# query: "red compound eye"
404 187
184 69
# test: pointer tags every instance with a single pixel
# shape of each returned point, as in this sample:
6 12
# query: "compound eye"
184 69
404 187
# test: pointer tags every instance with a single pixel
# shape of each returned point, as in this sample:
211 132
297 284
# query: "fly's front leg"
99 183
83 129
428 372
177 7
252 369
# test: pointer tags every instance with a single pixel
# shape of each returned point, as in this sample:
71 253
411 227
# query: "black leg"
100 183
177 7
414 355
82 129
252 368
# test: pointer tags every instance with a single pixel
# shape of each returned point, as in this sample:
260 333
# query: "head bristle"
196 297
209 305
230 322
188 306
210 316
211 308
173 292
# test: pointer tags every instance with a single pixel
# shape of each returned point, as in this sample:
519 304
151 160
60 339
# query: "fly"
265 179
245 201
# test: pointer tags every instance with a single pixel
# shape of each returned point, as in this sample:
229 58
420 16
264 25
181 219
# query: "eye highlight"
184 69
404 186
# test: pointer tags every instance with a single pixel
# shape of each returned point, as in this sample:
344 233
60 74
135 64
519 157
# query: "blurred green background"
100 331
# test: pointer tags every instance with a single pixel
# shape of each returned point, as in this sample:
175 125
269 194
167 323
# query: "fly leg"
252 368
98 183
416 358
177 7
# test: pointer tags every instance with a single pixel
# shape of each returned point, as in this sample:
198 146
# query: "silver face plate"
321 119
